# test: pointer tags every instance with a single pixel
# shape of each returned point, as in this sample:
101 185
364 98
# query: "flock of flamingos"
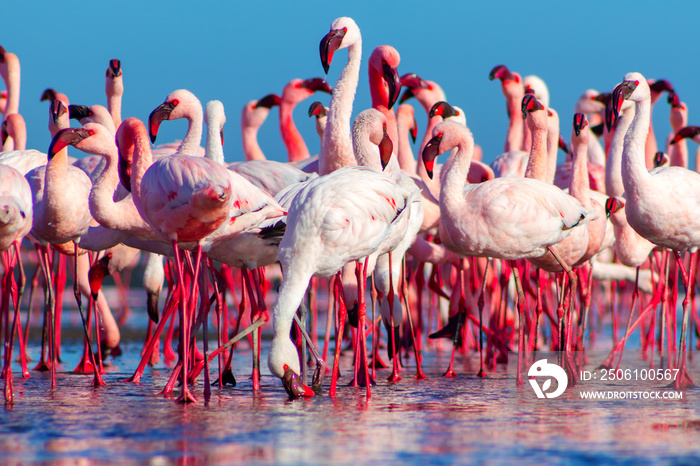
440 243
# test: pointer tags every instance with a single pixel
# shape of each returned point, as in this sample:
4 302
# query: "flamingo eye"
285 367
457 113
175 103
91 132
298 85
109 255
345 29
483 178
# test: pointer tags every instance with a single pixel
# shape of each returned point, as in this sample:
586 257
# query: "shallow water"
439 420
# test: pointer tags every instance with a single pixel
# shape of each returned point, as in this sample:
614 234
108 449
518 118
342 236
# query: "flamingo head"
430 153
686 132
530 104
657 87
318 110
612 205
51 94
68 137
344 32
78 112
535 85
661 159
269 101
501 72
580 122
283 361
114 70
317 85
97 273
623 91
444 110
160 113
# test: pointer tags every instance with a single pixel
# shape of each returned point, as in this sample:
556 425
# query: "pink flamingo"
253 115
295 92
659 204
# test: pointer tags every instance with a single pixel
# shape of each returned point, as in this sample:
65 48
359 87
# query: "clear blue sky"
238 51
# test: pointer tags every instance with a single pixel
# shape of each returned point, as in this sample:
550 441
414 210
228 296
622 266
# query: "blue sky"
238 51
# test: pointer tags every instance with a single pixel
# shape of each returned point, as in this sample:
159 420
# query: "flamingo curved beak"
442 109
530 104
407 94
413 132
674 101
612 205
385 149
621 92
97 273
78 112
294 387
5 134
57 109
67 137
48 94
501 72
686 132
318 110
660 86
430 153
580 122
269 101
660 159
391 75
413 81
317 85
152 306
124 169
115 68
329 45
160 113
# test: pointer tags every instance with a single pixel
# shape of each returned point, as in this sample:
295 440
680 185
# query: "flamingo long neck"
195 120
432 184
12 83
515 134
114 105
579 186
678 153
213 147
454 176
650 144
21 139
405 157
337 142
293 141
633 159
537 162
552 152
251 148
141 161
103 188
613 168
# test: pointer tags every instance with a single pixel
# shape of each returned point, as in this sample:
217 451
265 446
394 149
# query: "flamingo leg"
683 379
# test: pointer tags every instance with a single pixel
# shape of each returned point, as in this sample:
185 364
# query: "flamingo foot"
481 374
186 396
683 381
227 378
85 366
449 373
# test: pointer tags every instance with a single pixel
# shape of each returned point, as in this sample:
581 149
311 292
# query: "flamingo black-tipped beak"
78 112
530 104
329 45
5 134
562 145
674 101
57 110
160 113
407 94
580 122
413 81
612 205
430 153
317 85
97 273
2 54
67 137
391 75
619 94
660 86
686 132
114 70
442 109
385 149
413 132
603 97
293 386
318 110
124 169
152 306
48 94
660 159
501 72
269 101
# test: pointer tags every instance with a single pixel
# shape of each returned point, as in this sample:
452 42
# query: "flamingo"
690 132
512 87
295 92
179 104
659 205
